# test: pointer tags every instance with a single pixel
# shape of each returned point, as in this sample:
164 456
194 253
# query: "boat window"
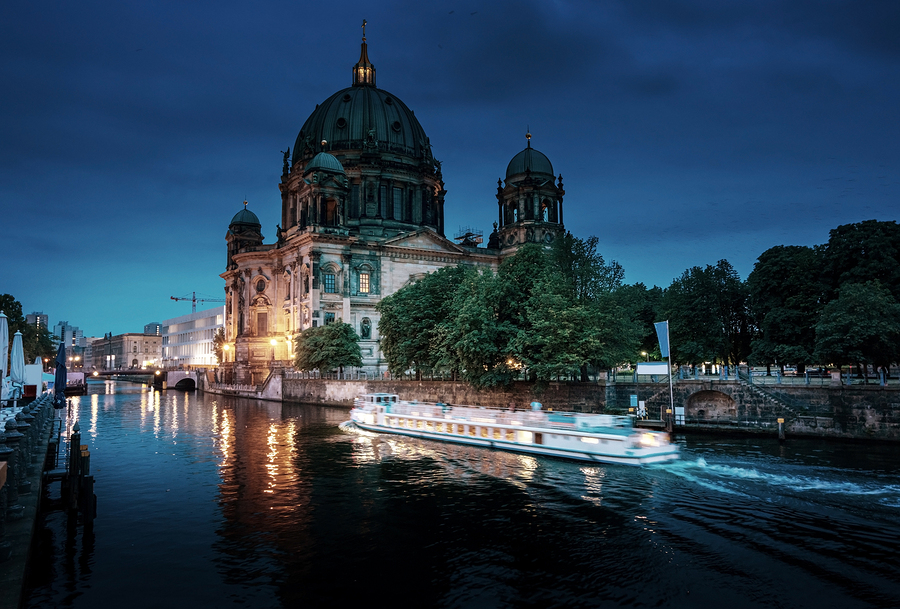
538 438
402 422
420 424
439 427
429 426
524 437
498 434
471 430
484 432
460 429
511 435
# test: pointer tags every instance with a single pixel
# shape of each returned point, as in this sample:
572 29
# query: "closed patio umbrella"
17 366
59 383
4 352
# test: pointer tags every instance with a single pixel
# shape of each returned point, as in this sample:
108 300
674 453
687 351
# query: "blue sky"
686 132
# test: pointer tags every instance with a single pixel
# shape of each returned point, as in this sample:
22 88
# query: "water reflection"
233 501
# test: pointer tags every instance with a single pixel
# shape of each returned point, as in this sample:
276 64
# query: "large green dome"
359 116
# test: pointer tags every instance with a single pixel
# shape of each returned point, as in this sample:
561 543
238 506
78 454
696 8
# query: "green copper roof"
324 162
245 216
529 160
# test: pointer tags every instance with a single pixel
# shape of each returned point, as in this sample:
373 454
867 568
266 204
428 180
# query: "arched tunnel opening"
186 385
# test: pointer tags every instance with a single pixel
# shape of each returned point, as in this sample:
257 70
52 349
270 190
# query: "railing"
228 387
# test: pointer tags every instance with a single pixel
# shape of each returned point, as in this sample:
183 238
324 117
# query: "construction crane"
194 300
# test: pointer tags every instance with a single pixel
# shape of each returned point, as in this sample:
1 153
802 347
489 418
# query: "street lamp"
645 354
273 342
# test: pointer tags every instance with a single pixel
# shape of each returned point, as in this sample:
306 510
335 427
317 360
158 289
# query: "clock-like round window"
260 286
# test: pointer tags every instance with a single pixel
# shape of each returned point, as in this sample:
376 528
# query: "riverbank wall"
859 411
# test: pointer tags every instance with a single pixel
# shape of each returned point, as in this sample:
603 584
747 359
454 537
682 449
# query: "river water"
205 501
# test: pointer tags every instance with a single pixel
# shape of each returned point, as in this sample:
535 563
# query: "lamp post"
273 342
646 355
225 348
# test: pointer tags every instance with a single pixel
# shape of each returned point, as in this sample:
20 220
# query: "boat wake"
350 427
726 478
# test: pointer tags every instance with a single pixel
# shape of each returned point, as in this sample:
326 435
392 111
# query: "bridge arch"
710 404
186 384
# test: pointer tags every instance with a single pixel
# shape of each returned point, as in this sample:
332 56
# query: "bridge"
185 380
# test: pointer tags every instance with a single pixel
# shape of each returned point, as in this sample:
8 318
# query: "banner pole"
669 422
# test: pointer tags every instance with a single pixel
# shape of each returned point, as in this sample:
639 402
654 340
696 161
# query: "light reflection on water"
207 501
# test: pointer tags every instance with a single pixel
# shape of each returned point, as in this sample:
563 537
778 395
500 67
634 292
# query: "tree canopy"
708 316
861 326
551 312
786 300
37 342
324 348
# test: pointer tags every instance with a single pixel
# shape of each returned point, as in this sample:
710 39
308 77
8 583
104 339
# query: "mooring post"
780 429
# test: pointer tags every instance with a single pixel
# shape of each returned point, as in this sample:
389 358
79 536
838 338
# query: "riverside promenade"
30 447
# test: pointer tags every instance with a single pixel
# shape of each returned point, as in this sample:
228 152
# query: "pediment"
424 239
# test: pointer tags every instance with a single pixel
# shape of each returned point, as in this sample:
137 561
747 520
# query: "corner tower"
531 201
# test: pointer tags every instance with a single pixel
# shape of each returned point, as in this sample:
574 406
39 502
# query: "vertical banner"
662 333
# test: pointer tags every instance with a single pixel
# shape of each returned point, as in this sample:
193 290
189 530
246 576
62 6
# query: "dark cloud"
686 131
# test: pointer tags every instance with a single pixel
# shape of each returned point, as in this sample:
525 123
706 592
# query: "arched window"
545 210
331 213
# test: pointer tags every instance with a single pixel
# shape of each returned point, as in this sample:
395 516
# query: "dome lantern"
364 71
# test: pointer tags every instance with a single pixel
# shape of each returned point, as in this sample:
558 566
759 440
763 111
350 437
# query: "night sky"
686 132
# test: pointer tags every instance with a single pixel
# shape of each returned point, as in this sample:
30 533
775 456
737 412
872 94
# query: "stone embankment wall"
587 397
865 412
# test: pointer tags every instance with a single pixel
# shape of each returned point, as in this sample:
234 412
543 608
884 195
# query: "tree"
785 298
861 326
219 344
412 317
36 342
323 348
861 252
645 304
708 317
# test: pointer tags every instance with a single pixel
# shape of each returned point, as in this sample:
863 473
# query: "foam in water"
691 470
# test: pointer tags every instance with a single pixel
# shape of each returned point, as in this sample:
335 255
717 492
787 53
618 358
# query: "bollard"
18 476
27 445
780 429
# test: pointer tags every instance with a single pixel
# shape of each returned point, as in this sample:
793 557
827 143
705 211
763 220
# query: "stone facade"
362 216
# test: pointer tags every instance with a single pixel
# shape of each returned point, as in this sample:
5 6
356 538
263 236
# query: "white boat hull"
593 438
625 459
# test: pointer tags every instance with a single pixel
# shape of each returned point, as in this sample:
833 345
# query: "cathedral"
362 215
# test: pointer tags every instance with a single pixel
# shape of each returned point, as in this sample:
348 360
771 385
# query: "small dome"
245 216
529 159
324 162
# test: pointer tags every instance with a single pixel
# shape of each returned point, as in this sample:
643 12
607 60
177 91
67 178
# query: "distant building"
188 340
154 328
126 352
72 336
39 319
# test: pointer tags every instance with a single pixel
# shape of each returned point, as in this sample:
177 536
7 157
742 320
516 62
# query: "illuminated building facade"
362 215
188 340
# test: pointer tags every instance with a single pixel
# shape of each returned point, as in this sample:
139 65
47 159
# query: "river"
210 501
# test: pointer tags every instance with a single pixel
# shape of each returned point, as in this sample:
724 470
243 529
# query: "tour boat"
586 437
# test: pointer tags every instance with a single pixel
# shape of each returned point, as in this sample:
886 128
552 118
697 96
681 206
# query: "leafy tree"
861 326
708 317
861 252
36 342
785 299
323 348
411 318
645 304
219 344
